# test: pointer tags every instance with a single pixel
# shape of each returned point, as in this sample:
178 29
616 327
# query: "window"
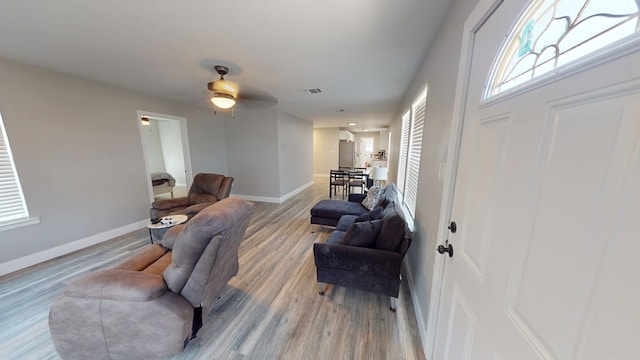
13 208
404 149
552 33
368 144
410 149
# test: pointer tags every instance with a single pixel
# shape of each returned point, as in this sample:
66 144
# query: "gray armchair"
205 190
150 305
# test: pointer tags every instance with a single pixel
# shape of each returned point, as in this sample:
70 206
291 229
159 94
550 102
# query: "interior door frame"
184 138
483 10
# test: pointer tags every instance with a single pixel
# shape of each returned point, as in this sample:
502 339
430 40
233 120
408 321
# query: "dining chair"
337 178
356 179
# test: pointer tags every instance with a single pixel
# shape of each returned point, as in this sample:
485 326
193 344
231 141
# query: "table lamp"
379 175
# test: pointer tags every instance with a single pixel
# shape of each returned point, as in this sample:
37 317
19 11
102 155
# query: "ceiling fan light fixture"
224 91
223 86
223 100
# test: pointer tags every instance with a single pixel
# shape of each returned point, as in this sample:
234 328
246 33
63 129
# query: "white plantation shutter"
415 148
404 150
12 204
410 150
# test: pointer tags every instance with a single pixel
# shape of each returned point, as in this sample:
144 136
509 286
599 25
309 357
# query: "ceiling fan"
225 94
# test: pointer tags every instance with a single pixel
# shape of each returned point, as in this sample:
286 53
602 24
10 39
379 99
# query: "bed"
162 182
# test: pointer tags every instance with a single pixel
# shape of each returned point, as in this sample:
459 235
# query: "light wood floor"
270 310
178 191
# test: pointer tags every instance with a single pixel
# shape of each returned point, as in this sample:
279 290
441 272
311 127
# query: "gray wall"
439 70
325 150
269 153
252 152
153 146
172 150
78 153
295 139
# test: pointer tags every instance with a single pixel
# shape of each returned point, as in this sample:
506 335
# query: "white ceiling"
362 54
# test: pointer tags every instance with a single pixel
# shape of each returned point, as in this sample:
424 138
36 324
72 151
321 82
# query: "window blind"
404 149
12 204
415 149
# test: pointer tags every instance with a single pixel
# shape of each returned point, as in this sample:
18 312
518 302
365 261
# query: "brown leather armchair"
206 190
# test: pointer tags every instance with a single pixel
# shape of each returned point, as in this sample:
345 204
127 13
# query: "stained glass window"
552 33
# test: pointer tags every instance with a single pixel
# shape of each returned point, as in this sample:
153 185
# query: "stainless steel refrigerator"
347 154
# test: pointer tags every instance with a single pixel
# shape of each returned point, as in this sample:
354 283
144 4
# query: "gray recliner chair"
205 190
150 305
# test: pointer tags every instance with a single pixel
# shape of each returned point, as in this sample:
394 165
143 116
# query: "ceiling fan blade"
255 102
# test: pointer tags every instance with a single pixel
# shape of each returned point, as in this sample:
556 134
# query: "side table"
157 231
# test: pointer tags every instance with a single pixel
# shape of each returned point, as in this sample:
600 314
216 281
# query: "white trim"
14 224
417 305
274 199
257 198
42 256
478 16
296 191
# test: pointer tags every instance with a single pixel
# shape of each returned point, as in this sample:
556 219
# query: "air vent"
313 91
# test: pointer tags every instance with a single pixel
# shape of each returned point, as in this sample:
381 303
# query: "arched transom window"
552 33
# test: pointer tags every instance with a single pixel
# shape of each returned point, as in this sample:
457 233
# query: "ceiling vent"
313 91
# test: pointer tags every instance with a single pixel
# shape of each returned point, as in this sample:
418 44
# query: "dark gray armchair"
365 252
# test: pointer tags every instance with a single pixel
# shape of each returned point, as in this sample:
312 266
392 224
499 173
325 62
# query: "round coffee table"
157 231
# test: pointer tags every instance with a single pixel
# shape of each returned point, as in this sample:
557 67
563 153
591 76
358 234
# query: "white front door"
547 207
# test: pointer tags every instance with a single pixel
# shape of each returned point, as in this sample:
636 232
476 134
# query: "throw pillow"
392 232
383 201
363 234
372 197
375 214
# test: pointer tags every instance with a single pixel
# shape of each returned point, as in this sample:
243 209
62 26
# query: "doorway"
365 155
166 151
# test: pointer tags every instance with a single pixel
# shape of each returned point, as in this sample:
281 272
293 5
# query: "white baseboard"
296 191
257 198
42 256
422 326
275 199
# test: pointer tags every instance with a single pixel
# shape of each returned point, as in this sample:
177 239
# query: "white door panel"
485 168
461 323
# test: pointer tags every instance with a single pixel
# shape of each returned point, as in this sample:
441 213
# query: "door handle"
446 249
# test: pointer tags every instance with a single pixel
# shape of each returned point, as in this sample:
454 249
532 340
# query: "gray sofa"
150 305
365 251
